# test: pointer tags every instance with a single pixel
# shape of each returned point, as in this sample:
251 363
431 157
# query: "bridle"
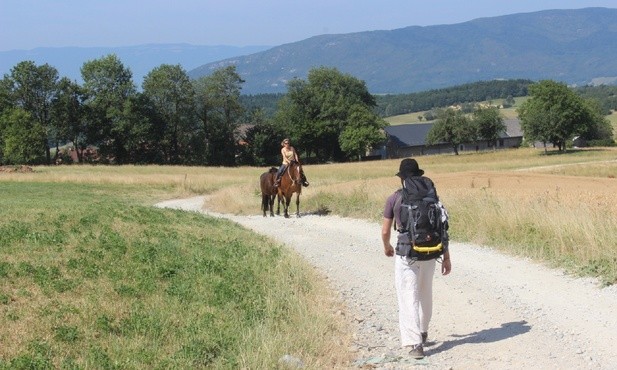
294 180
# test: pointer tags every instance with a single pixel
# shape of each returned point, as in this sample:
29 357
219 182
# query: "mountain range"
572 46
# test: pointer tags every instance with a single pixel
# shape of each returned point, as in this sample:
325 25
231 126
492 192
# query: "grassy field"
93 276
414 117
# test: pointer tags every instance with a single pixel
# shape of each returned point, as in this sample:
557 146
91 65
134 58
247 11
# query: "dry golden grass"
376 179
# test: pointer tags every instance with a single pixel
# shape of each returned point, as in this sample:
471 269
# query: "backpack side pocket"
403 245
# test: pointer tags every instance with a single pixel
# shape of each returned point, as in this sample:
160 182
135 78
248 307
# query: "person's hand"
388 250
446 266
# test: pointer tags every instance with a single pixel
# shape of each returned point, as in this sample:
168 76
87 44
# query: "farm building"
409 140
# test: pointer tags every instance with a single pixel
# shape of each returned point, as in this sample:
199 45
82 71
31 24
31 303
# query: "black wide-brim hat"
409 167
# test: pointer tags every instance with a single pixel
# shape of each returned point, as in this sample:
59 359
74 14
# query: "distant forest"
496 91
394 105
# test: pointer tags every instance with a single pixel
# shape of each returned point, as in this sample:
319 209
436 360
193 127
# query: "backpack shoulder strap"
401 193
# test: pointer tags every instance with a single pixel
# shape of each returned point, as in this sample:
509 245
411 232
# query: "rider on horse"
289 154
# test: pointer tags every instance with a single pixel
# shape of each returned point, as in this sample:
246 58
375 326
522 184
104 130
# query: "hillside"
419 117
572 46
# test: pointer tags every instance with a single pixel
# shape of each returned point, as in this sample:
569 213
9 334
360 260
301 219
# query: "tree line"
466 94
175 120
330 116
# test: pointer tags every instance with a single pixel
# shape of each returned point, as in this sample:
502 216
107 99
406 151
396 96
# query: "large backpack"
422 228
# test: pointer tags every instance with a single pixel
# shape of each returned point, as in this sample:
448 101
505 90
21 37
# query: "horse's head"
293 169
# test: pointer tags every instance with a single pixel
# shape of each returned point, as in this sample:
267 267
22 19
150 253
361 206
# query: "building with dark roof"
409 140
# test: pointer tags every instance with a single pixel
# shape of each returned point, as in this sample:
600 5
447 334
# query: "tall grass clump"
89 278
359 201
570 233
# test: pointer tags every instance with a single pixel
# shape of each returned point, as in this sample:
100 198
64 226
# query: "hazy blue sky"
27 24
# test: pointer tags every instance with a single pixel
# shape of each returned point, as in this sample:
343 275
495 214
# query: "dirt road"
493 311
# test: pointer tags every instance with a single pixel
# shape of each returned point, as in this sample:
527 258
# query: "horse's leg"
264 204
298 205
287 202
271 200
278 204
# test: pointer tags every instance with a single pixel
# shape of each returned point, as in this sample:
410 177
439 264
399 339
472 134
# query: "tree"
6 101
553 114
109 89
69 118
451 127
508 101
295 118
33 89
219 109
600 131
605 97
489 124
172 96
316 112
22 137
262 140
364 130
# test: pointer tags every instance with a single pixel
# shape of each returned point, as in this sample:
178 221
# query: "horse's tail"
264 202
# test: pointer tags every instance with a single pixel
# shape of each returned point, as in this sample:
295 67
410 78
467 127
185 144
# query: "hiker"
413 276
289 154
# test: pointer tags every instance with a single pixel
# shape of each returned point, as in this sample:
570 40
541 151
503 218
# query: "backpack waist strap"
435 248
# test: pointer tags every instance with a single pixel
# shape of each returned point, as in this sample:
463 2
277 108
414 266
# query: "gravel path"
493 311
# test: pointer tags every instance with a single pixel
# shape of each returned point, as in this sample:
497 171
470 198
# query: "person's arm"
285 161
295 155
446 265
386 229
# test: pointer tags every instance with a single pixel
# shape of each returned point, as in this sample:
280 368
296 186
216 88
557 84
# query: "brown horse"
268 192
291 182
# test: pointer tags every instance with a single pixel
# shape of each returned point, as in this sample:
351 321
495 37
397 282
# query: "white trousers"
414 289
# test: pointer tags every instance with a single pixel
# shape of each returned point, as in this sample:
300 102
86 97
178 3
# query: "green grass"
402 119
90 278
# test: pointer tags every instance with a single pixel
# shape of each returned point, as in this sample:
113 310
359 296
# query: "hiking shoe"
417 352
305 183
424 337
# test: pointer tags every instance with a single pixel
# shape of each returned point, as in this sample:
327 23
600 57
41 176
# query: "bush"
601 142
